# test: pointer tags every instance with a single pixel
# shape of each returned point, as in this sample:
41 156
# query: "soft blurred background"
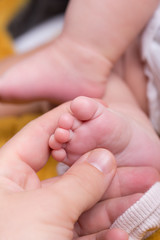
24 26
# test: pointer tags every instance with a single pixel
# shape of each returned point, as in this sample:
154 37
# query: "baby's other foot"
90 125
61 70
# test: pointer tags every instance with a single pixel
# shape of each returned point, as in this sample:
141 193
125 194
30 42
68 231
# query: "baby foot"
28 151
53 73
91 125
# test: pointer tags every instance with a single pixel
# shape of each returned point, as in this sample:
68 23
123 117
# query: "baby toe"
62 135
59 155
53 144
84 108
66 121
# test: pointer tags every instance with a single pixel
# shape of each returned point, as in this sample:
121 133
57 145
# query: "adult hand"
51 209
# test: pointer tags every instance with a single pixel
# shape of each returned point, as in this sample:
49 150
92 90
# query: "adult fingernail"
102 159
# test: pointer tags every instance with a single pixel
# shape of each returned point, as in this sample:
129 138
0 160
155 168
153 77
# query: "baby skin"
90 124
28 151
78 62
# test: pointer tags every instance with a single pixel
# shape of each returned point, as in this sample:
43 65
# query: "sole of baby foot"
90 124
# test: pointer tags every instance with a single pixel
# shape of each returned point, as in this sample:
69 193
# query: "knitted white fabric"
151 56
143 217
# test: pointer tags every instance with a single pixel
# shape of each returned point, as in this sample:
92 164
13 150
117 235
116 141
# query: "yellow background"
10 125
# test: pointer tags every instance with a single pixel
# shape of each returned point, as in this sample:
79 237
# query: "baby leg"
95 34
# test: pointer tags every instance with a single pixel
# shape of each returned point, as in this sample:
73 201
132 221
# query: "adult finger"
105 213
117 234
86 181
28 151
131 180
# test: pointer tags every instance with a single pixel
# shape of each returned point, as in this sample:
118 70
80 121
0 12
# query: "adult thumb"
86 181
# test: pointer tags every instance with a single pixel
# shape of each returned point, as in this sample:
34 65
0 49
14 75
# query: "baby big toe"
84 108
